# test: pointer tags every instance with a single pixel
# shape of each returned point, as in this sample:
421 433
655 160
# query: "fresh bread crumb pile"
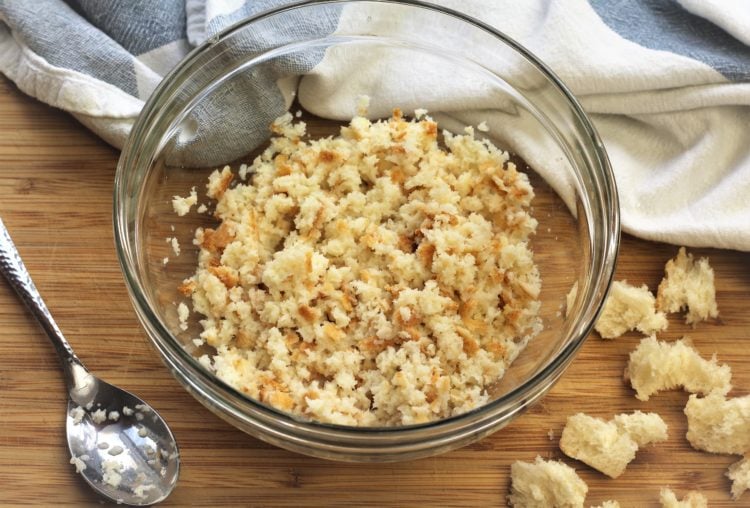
545 483
371 278
656 365
609 446
688 285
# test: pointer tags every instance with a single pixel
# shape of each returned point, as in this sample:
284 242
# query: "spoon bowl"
120 445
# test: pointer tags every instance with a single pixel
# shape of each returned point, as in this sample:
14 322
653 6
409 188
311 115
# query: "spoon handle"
15 272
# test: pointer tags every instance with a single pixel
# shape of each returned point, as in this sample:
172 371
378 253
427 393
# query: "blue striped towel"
666 82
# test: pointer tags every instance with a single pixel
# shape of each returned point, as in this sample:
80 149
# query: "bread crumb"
99 416
739 473
544 484
143 432
182 206
629 308
692 499
688 285
182 314
609 446
372 278
482 127
419 113
551 434
77 413
242 172
608 504
717 424
205 360
218 182
655 366
111 470
127 411
102 446
113 415
141 491
175 245
165 260
79 462
202 209
298 114
363 104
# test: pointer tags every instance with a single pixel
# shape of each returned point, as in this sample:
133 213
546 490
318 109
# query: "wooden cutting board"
56 196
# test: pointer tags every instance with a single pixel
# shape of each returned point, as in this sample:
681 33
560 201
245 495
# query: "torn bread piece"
717 424
688 284
545 483
609 446
629 308
739 473
656 365
692 499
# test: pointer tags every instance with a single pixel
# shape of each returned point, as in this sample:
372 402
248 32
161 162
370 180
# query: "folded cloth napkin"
666 82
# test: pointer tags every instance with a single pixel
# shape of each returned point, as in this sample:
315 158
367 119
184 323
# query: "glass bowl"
215 107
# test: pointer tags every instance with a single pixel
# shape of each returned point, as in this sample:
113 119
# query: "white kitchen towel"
666 82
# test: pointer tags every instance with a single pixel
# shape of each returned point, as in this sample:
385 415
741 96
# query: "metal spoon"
119 444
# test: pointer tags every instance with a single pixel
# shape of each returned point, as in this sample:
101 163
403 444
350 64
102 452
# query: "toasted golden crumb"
360 248
187 287
219 182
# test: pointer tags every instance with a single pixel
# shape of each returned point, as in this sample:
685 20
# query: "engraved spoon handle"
15 272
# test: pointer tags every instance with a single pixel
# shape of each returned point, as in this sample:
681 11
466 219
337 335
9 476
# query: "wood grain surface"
56 197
